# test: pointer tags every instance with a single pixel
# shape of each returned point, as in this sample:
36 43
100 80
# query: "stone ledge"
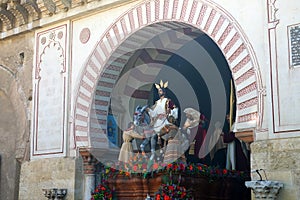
246 136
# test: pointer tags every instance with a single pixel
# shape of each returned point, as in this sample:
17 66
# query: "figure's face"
171 119
189 116
160 92
228 118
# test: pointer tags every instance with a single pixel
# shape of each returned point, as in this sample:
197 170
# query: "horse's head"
141 116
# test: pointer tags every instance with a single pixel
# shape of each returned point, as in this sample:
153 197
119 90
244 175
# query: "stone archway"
206 16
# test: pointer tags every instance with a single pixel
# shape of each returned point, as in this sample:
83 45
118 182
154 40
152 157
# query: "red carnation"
144 166
167 198
157 197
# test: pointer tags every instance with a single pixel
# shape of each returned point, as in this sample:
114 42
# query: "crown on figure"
161 85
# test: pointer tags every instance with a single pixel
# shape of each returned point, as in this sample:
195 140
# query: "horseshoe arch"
203 15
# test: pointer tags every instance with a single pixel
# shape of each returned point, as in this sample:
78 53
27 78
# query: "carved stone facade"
73 52
265 189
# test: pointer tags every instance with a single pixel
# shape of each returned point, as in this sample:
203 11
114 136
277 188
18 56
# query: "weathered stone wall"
61 173
15 99
8 132
280 160
16 82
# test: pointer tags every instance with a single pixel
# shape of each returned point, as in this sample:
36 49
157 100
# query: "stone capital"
89 161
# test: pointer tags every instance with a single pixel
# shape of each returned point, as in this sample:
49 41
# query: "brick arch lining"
201 15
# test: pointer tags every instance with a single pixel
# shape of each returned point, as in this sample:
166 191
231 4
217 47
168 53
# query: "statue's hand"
186 125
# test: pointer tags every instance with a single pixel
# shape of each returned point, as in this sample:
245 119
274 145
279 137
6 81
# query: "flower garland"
172 191
141 167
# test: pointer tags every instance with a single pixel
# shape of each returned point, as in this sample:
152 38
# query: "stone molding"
14 14
246 136
18 16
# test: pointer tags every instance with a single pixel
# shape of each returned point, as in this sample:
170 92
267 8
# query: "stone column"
89 169
264 189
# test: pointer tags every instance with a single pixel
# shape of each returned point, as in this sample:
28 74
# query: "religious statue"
159 112
237 152
195 125
129 134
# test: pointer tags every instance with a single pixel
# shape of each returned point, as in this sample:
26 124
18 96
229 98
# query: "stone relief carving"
272 10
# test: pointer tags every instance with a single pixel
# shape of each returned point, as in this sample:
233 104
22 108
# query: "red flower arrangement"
211 172
102 192
140 166
137 164
172 173
172 191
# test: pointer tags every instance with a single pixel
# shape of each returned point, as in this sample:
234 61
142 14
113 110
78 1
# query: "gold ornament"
161 84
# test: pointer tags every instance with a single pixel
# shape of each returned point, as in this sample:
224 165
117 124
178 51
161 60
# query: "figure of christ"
159 112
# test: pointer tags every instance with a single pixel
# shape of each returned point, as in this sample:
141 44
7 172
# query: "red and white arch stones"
202 15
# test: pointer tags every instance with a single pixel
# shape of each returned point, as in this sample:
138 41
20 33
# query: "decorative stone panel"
50 93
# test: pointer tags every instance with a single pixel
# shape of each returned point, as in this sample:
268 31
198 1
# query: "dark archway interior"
194 78
182 66
163 49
